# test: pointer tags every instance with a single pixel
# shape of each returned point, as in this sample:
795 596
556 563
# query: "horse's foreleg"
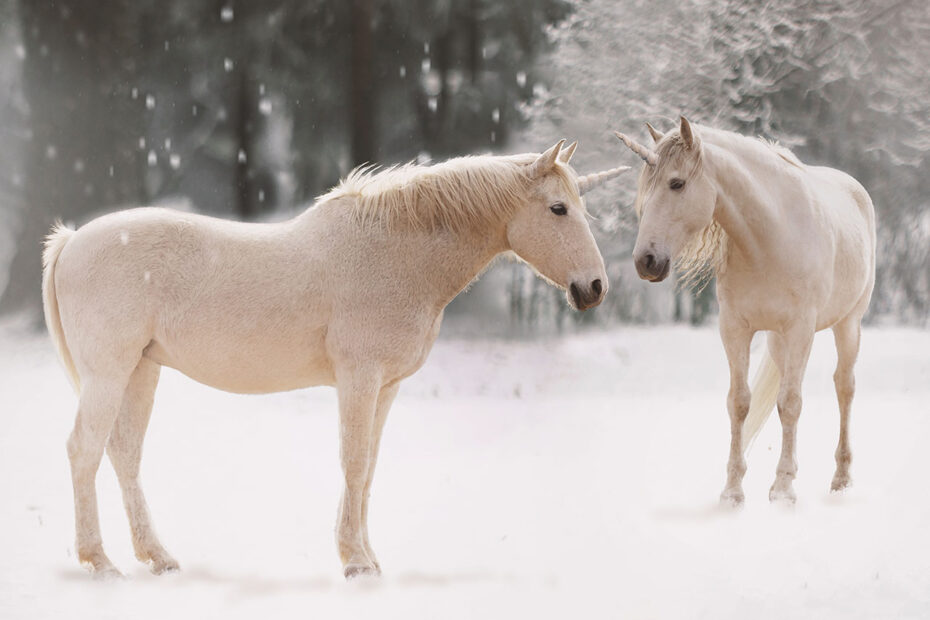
358 399
795 351
385 399
97 409
125 451
736 340
846 334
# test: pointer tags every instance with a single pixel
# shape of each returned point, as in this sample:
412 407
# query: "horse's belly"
249 369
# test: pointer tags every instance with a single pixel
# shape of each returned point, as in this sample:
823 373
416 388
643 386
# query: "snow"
546 479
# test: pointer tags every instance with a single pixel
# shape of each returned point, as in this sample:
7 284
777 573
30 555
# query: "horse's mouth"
656 277
662 275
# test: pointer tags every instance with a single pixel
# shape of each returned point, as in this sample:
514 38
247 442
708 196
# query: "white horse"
350 293
793 249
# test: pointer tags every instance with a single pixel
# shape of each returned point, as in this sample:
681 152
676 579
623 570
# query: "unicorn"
793 249
350 294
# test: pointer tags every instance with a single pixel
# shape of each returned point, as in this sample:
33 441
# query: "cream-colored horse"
350 293
793 249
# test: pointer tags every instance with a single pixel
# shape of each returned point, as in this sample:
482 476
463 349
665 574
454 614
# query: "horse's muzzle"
585 297
650 266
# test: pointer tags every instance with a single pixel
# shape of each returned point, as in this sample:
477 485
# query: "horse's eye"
676 183
558 208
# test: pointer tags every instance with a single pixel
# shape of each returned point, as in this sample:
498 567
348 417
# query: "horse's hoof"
840 483
732 498
164 565
99 565
356 571
785 497
106 573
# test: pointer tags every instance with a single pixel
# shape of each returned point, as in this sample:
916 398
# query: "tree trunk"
362 91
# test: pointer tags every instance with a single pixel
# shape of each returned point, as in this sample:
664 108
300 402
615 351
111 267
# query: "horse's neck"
452 261
745 208
435 265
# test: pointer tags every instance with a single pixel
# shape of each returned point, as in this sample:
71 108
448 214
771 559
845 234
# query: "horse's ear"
656 136
687 136
546 161
566 155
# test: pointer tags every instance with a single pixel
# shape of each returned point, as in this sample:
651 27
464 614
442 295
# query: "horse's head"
550 230
674 202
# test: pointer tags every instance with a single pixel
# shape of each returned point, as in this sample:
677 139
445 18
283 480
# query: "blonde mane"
459 195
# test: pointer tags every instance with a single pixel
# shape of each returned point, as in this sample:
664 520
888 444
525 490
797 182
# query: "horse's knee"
789 405
739 399
845 382
81 453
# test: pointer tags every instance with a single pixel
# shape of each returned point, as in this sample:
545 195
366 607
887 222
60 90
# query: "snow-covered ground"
562 478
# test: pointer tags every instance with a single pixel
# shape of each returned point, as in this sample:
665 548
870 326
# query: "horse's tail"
54 244
764 394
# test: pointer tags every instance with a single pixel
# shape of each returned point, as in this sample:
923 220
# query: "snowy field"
550 479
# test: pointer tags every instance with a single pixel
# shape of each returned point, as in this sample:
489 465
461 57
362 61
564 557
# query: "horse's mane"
458 195
706 254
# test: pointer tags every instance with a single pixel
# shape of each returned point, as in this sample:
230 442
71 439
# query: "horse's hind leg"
846 333
125 451
98 407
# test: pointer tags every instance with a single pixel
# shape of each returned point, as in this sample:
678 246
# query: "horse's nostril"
650 260
576 294
596 287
